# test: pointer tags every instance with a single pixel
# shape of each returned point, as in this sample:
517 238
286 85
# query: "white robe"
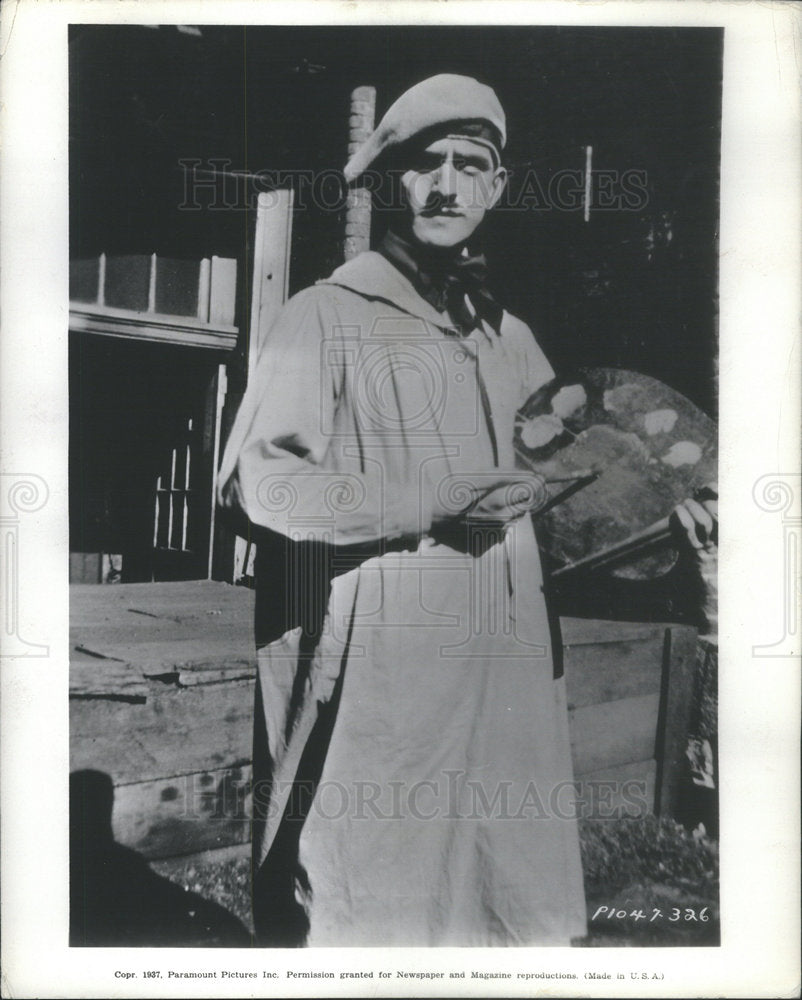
441 808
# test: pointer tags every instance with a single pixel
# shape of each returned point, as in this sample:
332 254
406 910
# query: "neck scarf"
445 280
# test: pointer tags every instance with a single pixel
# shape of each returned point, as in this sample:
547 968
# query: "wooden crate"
161 702
629 687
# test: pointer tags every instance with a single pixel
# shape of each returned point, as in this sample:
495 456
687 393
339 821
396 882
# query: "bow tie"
445 283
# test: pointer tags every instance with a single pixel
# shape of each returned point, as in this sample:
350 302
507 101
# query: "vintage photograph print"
393 461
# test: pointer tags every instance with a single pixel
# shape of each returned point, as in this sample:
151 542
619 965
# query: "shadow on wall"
115 897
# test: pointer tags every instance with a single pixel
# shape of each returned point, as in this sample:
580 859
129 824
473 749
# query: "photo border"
760 264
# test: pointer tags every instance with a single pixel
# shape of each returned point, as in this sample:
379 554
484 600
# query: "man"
412 764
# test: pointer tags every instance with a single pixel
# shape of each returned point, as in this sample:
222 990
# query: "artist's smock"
442 810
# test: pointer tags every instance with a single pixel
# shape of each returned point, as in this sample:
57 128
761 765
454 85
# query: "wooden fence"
161 701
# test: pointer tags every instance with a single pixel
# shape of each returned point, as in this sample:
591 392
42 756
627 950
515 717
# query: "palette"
650 446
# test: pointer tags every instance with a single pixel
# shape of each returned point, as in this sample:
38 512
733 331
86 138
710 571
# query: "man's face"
450 185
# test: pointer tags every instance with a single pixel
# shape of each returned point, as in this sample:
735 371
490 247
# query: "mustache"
438 204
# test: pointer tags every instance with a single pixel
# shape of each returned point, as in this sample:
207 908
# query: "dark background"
634 289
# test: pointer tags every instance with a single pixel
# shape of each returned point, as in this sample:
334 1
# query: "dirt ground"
649 883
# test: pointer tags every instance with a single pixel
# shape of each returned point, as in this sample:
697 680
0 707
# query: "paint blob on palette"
650 445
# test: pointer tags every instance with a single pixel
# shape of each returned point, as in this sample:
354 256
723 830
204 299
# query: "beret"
440 99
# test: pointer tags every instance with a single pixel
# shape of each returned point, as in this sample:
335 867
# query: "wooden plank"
675 716
92 678
173 816
200 655
176 731
270 288
219 387
271 265
223 291
157 328
617 732
592 631
204 282
626 790
609 671
214 673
